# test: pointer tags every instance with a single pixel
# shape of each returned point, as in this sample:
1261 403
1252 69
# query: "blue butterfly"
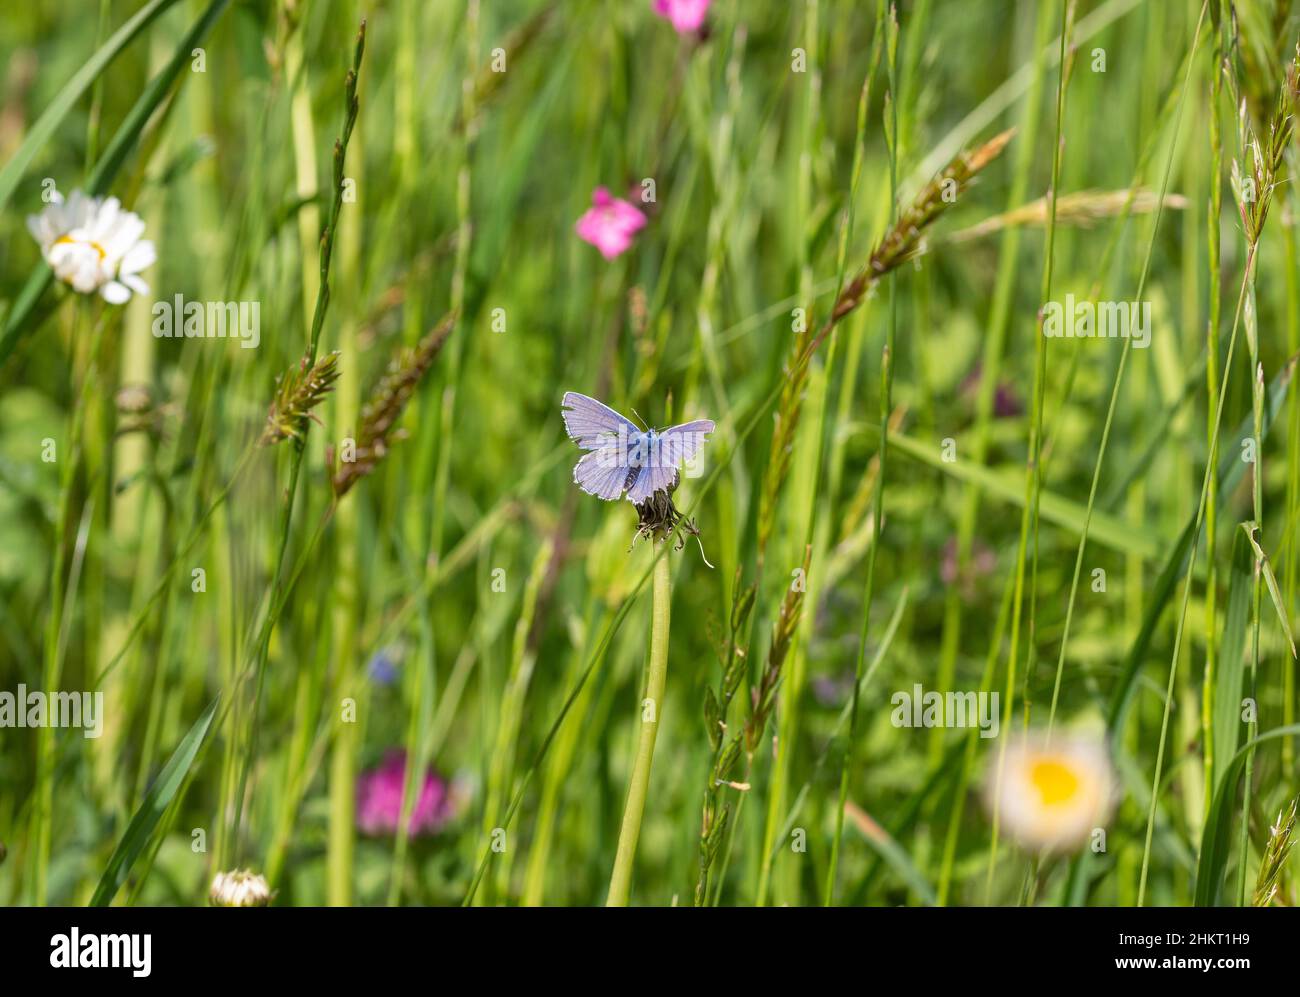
623 458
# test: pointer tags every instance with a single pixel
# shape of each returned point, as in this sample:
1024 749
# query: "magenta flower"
686 15
379 799
1006 405
609 223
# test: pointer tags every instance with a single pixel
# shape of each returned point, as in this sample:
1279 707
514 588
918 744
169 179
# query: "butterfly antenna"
645 424
701 543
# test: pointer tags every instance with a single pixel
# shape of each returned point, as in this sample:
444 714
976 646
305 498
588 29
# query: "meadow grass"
286 566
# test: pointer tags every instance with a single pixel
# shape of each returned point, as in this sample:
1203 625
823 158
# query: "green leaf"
72 91
894 855
1215 840
141 829
1274 592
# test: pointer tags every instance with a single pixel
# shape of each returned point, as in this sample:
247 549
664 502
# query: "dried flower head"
657 518
138 411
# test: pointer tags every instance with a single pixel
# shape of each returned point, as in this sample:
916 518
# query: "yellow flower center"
1055 781
65 240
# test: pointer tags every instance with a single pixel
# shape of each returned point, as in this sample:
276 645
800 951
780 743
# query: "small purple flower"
379 799
1006 404
982 563
831 690
383 666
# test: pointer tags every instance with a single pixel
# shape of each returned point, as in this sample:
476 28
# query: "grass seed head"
298 391
1272 865
763 696
383 410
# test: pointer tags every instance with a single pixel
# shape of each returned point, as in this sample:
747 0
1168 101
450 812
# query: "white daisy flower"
93 245
240 888
1052 794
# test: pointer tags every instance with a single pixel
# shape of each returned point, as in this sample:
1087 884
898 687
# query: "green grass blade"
1054 508
1225 709
140 830
1270 580
72 91
896 857
1231 468
1212 866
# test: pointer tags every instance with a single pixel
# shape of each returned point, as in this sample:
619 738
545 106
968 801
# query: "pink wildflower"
686 15
379 799
609 223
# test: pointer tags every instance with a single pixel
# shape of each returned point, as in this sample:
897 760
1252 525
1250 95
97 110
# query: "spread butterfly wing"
597 428
681 444
593 425
672 448
597 475
650 479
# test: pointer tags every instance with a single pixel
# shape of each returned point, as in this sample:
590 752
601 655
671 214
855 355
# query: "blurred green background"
470 562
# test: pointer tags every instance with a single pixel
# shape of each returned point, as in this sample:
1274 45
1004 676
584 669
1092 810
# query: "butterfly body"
621 457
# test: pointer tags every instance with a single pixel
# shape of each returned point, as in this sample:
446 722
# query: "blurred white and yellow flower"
240 888
1052 794
92 245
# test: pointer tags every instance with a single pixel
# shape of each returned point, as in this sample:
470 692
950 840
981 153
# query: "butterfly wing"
650 479
681 444
669 450
600 473
592 424
607 436
620 457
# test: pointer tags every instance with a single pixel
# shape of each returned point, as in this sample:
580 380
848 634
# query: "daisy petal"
115 293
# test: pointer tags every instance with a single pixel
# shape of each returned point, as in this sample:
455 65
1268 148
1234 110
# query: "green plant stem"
620 881
1114 394
1257 490
1210 467
56 630
1211 391
991 363
878 507
1293 480
1033 471
263 642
